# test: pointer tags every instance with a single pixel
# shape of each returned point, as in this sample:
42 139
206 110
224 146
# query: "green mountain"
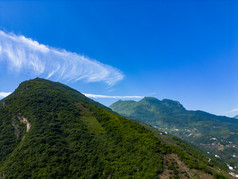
217 135
48 130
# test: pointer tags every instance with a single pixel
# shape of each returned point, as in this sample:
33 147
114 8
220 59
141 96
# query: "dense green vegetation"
217 135
48 130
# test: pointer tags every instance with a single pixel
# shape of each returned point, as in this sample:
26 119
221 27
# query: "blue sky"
180 50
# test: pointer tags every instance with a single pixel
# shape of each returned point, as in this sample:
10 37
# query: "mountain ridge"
217 135
49 130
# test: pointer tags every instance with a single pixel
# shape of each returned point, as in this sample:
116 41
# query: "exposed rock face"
25 121
16 126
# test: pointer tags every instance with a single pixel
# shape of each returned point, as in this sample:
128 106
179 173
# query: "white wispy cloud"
4 94
234 110
24 54
113 97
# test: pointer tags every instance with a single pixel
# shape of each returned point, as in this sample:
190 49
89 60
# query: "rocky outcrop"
25 121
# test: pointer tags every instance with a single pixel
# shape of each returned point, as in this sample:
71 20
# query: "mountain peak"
150 99
172 103
165 102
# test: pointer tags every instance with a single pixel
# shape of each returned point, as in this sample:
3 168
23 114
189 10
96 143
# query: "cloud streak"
231 113
112 97
26 55
234 110
4 94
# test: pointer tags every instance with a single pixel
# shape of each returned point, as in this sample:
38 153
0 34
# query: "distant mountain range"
236 117
217 135
48 130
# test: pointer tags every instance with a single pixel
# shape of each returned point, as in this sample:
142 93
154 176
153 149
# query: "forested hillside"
216 135
48 130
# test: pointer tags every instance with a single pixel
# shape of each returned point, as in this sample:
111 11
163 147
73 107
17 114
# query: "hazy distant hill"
236 117
217 135
48 130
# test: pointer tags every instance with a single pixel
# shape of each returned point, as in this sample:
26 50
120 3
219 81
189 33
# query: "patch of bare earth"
25 121
221 147
16 126
174 168
83 110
